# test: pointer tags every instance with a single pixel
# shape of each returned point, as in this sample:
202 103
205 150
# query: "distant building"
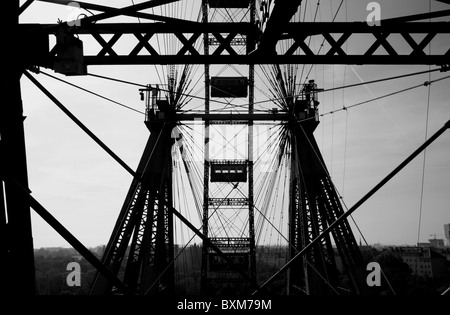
447 233
437 243
434 243
423 261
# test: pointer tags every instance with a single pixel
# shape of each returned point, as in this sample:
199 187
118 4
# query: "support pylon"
17 252
144 230
314 206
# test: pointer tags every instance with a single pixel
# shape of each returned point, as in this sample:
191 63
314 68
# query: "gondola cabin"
228 171
229 86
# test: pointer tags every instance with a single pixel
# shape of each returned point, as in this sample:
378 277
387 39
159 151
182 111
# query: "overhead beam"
295 36
279 17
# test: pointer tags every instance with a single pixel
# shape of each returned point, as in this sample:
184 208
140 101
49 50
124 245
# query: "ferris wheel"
233 161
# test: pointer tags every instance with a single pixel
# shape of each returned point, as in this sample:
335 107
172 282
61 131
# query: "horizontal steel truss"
334 36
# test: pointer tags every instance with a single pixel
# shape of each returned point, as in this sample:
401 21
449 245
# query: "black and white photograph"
222 155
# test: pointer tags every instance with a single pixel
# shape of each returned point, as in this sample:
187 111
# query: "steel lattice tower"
145 222
314 205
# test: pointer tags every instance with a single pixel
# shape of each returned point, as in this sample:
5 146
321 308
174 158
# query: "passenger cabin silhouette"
229 171
229 86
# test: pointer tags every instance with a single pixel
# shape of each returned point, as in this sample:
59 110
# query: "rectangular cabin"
228 171
229 87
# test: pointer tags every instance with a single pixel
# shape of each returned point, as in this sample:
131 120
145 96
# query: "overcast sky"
84 188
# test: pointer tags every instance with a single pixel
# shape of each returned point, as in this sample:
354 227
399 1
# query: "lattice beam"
381 47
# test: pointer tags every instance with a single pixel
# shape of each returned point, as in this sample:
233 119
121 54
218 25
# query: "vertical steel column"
3 225
162 236
149 269
19 270
315 206
204 272
145 223
297 230
251 216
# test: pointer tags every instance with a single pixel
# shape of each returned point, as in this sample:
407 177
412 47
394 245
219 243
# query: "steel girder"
145 223
314 206
383 49
17 254
275 16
